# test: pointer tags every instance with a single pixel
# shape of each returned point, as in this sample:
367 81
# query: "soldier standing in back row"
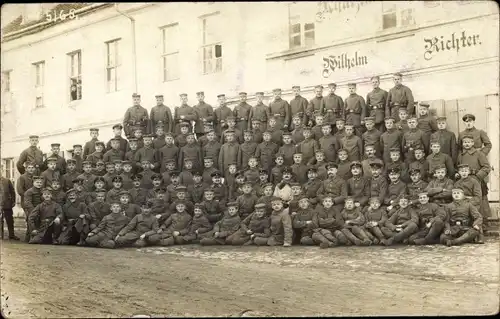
89 147
260 112
204 114
241 113
332 106
183 114
376 102
314 104
280 109
355 109
220 115
135 117
399 96
161 114
298 107
481 140
31 155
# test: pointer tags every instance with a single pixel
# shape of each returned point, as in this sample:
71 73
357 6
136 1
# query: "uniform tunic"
423 166
164 114
412 139
246 203
376 102
440 190
441 159
146 224
212 149
315 105
214 210
394 191
123 145
448 142
300 172
159 142
335 187
390 139
147 153
111 225
472 189
220 118
330 219
298 106
135 116
247 149
24 182
205 112
332 107
353 145
400 94
168 153
280 109
32 198
31 154
298 135
193 152
113 155
414 189
265 152
359 189
308 148
89 148
94 157
328 144
355 109
378 187
281 227
477 162
188 114
300 219
242 114
260 112
480 139
372 137
228 155
60 164
88 181
44 213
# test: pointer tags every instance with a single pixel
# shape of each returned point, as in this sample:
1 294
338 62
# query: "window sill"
171 80
293 53
75 103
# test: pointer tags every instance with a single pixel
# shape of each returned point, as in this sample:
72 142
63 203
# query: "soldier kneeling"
44 220
104 235
75 219
140 229
463 223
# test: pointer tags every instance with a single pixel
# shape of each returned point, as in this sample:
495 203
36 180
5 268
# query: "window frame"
112 68
72 77
302 22
397 10
216 63
39 71
8 165
6 81
165 53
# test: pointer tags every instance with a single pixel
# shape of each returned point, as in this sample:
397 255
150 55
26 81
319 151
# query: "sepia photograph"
250 159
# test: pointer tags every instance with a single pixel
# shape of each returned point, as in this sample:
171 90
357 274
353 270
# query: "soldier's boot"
9 219
169 241
369 235
420 241
434 231
468 237
139 243
331 238
353 239
318 238
388 242
378 234
480 237
306 240
358 232
341 238
260 241
248 243
82 239
107 243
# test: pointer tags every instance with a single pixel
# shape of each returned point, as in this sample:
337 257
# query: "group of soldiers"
327 172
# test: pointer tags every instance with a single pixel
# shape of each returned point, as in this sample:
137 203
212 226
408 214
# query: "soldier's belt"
332 111
352 111
378 106
278 115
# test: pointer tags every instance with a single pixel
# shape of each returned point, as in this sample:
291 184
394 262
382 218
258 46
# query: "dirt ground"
56 281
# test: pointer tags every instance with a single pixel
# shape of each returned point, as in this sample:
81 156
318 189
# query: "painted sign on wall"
342 61
455 41
326 9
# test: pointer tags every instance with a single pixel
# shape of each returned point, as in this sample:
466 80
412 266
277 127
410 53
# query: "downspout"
134 51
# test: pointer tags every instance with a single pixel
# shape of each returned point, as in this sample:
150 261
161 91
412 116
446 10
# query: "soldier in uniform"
117 134
481 140
400 95
229 152
43 220
60 162
439 188
315 104
355 109
204 114
328 143
89 146
431 222
32 154
298 107
77 156
280 109
71 174
376 102
332 105
265 152
241 112
105 234
247 150
184 114
372 136
391 138
115 153
51 173
259 112
411 139
25 182
98 154
281 226
446 139
161 115
426 123
402 124
221 114
136 116
7 202
470 185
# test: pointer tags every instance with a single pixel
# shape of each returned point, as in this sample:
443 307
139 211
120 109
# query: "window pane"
389 21
171 39
218 51
218 65
295 28
210 29
207 53
309 38
389 6
39 102
170 67
207 66
407 17
295 41
308 26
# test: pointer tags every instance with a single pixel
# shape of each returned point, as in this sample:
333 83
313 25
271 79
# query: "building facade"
59 78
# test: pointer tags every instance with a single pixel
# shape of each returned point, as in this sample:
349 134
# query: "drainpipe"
134 52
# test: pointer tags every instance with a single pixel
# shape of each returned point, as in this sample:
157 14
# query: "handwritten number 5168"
54 16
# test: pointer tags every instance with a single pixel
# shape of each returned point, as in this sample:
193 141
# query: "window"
112 64
431 4
8 168
75 75
397 14
170 52
6 81
39 82
301 29
211 44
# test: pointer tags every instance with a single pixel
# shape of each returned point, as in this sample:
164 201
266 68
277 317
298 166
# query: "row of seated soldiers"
327 220
244 195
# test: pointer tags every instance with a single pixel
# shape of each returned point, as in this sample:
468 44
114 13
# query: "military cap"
349 198
418 148
232 204
463 166
370 118
47 190
200 93
159 95
155 177
340 120
268 185
33 136
262 171
138 129
159 125
294 184
77 145
136 95
184 124
276 199
208 157
287 170
248 131
306 128
355 163
197 173
468 136
319 87
394 170
208 190
256 121
99 143
71 190
229 131
424 104
86 163
259 93
401 108
169 134
318 113
239 174
145 161
118 126
414 171
161 189
124 192
70 161
221 95
303 198
126 163
216 174
188 160
332 85
117 162
174 174
374 199
117 179
199 205
312 170
260 206
369 146
351 84
327 123
55 181
145 136
457 189
319 152
183 94
398 74
276 90
441 118
423 193
110 164
267 131
100 191
30 163
99 179
55 145
52 159
331 165
342 150
242 93
115 139
377 163
181 188
287 134
138 177
467 117
439 166
390 118
147 205
94 130
115 202
277 155
394 149
434 141
40 178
